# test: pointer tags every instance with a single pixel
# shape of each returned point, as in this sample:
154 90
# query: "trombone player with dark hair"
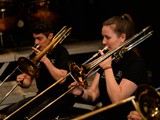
52 66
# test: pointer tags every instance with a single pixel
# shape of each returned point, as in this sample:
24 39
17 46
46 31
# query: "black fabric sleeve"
61 57
137 73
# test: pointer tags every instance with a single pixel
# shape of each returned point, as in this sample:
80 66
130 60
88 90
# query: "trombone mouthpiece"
36 46
105 48
95 55
32 53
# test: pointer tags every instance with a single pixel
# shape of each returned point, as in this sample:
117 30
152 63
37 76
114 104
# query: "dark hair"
124 25
41 27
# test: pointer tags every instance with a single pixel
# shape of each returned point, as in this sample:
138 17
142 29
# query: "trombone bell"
148 102
28 67
78 74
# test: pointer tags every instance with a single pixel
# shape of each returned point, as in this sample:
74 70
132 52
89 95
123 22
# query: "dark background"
85 17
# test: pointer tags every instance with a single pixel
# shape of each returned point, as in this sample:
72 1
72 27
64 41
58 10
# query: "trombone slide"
95 55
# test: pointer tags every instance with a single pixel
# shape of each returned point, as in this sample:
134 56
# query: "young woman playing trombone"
117 79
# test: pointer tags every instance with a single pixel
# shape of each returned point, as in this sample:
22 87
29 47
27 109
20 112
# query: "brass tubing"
17 68
53 102
30 66
143 93
128 42
95 55
56 98
37 46
9 92
7 117
103 109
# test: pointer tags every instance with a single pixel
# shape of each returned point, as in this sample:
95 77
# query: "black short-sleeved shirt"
131 67
50 99
59 57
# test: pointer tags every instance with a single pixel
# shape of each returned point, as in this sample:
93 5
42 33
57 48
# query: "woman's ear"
123 38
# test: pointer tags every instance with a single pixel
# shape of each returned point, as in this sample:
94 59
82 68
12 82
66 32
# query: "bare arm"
55 72
116 91
90 94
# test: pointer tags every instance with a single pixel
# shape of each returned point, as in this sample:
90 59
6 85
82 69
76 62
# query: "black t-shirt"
50 101
59 57
131 67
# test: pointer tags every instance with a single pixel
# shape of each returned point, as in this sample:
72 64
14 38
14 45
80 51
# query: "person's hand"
134 115
38 52
107 62
77 90
23 80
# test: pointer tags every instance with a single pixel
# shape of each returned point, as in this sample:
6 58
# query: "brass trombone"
80 74
84 71
95 55
146 101
17 68
29 66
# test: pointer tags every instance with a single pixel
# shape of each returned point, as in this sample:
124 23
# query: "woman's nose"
104 42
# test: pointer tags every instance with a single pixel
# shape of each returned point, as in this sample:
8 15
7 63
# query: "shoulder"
131 57
60 49
132 63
